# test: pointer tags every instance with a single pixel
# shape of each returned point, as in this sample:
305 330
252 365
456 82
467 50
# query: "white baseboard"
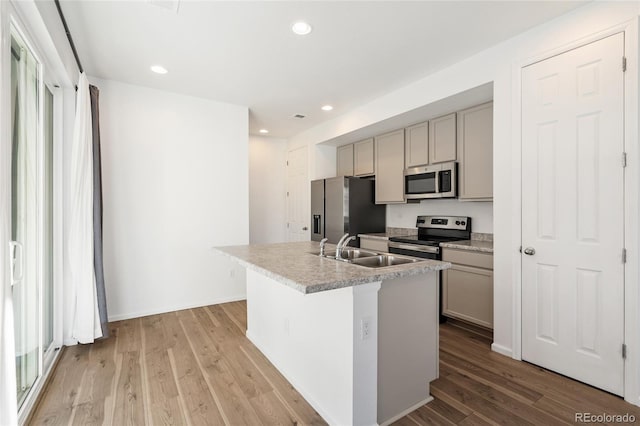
164 310
502 350
407 411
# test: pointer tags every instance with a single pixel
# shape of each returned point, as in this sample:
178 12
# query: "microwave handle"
437 182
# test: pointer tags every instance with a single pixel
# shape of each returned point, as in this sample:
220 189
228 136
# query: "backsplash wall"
404 215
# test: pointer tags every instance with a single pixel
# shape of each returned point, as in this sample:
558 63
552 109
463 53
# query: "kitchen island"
359 343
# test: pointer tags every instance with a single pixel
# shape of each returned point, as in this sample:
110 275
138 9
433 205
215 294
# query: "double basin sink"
370 259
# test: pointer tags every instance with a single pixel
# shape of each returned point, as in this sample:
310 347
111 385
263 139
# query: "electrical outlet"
365 328
232 273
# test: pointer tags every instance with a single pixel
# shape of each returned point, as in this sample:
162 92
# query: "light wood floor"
195 367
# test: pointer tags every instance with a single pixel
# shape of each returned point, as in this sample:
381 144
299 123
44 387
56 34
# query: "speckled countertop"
471 245
296 265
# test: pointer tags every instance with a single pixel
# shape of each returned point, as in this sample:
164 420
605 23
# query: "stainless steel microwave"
433 181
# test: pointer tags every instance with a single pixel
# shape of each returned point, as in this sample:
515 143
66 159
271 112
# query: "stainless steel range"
432 230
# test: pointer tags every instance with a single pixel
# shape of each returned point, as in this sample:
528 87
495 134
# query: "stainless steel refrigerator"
343 205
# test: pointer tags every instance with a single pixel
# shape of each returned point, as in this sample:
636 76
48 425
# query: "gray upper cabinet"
416 145
363 164
475 153
344 160
442 139
389 160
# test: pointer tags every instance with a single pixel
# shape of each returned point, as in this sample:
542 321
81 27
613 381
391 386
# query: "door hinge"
287 162
624 351
624 255
624 159
624 63
287 193
520 249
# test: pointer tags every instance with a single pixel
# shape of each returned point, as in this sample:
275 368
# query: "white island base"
360 355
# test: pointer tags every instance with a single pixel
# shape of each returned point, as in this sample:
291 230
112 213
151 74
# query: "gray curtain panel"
97 211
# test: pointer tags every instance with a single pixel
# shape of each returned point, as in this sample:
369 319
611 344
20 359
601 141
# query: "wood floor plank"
201 405
446 411
96 385
489 393
516 390
570 392
405 421
62 391
271 411
478 404
163 405
183 367
475 420
426 416
128 335
129 407
293 400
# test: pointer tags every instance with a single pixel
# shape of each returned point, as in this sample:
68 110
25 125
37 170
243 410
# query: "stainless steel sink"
351 254
383 260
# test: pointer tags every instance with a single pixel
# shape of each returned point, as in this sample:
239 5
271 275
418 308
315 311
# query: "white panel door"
572 213
298 189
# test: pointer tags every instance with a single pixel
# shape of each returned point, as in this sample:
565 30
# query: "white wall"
480 212
500 65
175 180
267 190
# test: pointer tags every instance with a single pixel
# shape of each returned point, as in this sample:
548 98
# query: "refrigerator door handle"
317 220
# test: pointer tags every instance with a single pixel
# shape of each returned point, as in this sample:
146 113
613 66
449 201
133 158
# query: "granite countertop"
471 245
297 266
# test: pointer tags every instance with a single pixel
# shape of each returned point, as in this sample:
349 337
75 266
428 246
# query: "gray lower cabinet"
374 244
344 160
363 164
389 160
475 153
416 145
467 287
442 139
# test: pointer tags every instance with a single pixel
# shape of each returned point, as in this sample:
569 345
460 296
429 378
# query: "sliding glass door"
32 124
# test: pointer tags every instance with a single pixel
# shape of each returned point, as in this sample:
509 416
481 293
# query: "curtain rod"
66 30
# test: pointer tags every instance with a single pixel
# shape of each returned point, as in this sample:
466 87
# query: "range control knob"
457 222
462 223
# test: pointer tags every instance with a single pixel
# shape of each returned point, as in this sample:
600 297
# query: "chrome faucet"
344 241
322 243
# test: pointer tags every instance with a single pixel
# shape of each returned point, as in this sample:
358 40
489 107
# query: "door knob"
530 251
304 228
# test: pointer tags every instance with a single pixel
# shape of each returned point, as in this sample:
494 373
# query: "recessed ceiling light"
263 131
159 69
301 28
327 108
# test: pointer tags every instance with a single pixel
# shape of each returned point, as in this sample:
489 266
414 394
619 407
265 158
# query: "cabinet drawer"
469 258
374 244
467 294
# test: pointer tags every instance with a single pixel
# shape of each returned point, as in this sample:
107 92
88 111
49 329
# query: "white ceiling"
244 52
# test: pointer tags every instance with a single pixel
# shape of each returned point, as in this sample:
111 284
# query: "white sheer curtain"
86 318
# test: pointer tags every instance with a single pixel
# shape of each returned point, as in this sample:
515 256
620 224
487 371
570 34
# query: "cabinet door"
467 294
344 158
380 246
442 139
416 145
389 158
475 153
363 164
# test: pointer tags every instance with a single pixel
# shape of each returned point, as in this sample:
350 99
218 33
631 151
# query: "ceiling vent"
299 116
171 5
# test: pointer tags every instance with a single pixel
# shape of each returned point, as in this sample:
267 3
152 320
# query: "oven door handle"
423 249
